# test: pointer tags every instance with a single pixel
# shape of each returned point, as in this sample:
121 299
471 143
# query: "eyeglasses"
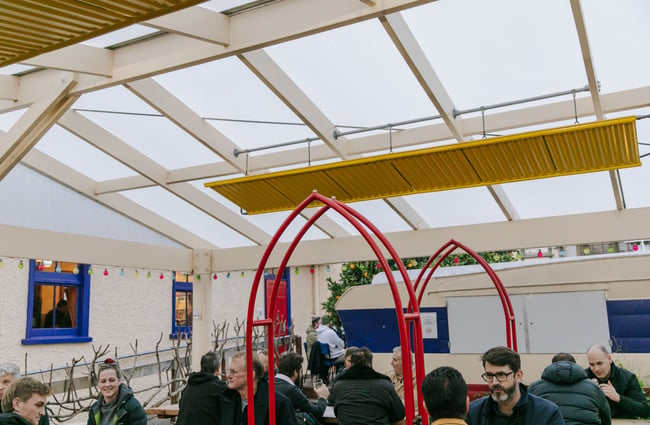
234 372
501 376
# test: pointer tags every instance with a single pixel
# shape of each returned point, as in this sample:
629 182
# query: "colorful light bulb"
105 272
148 275
121 272
57 268
214 276
21 265
162 276
75 270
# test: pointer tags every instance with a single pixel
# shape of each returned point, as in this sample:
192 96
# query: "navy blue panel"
631 345
377 329
628 307
629 325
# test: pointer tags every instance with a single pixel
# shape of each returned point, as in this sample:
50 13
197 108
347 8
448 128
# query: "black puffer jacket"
200 402
580 400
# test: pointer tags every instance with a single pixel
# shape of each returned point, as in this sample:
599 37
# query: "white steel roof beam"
410 49
30 127
180 114
113 146
196 22
594 91
76 58
262 65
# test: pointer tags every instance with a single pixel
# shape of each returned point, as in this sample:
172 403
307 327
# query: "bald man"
621 387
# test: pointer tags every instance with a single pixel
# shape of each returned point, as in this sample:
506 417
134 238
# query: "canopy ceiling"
138 119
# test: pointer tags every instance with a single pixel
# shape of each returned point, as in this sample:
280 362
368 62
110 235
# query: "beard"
505 393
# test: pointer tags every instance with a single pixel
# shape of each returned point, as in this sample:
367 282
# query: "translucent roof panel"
635 180
618 35
183 214
456 207
155 136
581 193
236 103
378 212
70 150
488 52
355 75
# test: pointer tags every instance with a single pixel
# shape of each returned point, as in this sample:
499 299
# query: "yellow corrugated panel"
31 27
597 146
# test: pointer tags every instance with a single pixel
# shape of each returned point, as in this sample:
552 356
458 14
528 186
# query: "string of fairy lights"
123 272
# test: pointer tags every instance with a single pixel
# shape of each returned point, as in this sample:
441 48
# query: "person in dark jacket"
116 404
509 401
363 396
200 402
567 385
621 387
24 402
289 368
234 406
8 373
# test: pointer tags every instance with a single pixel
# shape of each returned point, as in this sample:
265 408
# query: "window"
182 306
58 301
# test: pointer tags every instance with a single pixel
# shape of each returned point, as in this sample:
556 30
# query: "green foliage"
362 272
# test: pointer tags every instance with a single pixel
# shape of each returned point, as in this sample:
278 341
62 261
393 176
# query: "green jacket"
129 410
45 420
633 403
12 419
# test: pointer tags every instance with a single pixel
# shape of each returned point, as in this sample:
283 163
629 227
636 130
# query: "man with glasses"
509 402
235 400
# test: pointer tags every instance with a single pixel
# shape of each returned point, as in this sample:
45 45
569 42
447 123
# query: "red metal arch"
511 330
412 316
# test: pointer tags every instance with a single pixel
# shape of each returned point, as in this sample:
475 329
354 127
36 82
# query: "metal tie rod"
338 133
458 112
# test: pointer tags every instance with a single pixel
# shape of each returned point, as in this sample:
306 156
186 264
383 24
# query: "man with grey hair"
9 372
396 375
621 387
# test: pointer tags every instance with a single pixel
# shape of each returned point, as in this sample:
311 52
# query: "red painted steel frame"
511 330
360 223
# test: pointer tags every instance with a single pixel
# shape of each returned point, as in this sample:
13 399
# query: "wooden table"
164 412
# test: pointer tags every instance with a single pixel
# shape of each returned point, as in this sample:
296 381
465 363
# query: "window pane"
54 306
183 308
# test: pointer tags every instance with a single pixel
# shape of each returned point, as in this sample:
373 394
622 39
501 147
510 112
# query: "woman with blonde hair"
116 404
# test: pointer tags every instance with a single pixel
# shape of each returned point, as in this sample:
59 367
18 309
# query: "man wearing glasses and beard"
509 402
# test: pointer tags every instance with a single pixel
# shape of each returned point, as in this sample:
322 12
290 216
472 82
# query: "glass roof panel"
183 214
74 152
355 75
456 207
617 33
378 212
576 194
488 52
150 133
635 180
236 103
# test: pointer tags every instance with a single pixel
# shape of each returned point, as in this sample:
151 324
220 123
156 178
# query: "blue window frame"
58 303
182 306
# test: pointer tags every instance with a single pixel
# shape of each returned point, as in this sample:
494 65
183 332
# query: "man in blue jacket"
509 402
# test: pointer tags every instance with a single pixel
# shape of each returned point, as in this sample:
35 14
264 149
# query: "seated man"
397 377
566 384
8 373
445 396
327 335
509 401
363 396
621 387
24 402
289 369
234 406
200 402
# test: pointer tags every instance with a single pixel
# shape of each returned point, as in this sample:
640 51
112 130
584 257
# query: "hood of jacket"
197 378
321 329
564 373
361 372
